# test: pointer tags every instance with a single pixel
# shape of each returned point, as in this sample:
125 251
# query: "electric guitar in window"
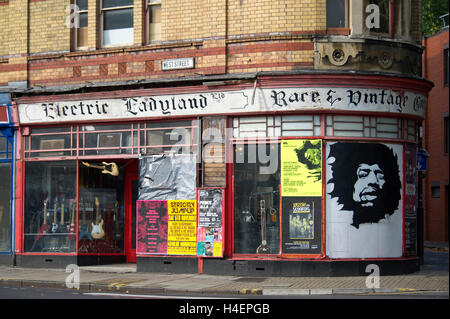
107 168
62 228
71 231
44 227
97 228
263 248
84 228
55 223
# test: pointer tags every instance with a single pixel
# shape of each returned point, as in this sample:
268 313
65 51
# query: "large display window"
101 215
50 207
5 216
257 198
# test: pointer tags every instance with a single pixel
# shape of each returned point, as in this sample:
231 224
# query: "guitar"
71 231
62 229
263 248
84 228
44 227
107 168
97 228
117 232
55 223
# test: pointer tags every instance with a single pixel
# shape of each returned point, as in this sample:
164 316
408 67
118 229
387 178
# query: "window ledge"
338 31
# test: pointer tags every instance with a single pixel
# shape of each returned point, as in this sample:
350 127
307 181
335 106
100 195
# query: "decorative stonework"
369 55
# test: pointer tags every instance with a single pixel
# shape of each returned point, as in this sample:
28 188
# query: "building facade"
232 136
436 138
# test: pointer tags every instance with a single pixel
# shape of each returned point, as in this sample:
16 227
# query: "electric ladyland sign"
226 102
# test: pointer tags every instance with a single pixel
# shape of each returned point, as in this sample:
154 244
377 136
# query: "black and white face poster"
301 223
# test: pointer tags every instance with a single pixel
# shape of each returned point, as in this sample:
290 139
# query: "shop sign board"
226 102
210 222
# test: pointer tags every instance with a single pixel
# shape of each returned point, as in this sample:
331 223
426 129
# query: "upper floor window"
117 22
336 13
81 33
153 20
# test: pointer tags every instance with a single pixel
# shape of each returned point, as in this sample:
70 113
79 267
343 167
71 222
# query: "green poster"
301 167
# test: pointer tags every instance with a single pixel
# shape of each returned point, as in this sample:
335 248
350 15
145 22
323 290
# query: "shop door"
131 193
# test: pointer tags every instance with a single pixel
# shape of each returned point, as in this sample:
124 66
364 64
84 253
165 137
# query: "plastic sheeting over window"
167 177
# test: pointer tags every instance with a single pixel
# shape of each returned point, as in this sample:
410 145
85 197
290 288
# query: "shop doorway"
131 195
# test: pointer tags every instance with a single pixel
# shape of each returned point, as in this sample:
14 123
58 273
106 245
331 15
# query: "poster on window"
301 225
210 218
166 227
364 200
301 167
152 225
410 201
182 230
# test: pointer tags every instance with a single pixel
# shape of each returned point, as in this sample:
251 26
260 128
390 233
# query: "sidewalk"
124 279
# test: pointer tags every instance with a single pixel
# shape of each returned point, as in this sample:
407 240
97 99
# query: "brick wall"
224 36
436 209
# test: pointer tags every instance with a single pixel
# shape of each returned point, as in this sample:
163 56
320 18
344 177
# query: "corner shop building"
258 175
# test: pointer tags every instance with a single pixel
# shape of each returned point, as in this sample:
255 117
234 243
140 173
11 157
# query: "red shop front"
239 178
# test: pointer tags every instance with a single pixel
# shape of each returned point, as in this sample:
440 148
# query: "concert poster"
152 226
301 224
301 167
210 218
182 230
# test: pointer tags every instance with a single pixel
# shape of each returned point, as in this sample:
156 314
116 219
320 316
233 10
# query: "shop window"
363 126
49 142
81 33
117 19
120 139
101 215
5 199
5 148
256 198
107 139
275 126
154 20
388 127
50 207
336 13
411 130
169 137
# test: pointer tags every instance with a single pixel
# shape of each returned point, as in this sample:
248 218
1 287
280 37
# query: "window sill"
338 31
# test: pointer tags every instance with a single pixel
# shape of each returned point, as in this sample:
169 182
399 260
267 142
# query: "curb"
123 288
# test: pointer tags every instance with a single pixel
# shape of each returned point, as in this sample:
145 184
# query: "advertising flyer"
182 230
301 224
301 167
210 217
410 201
166 227
152 222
